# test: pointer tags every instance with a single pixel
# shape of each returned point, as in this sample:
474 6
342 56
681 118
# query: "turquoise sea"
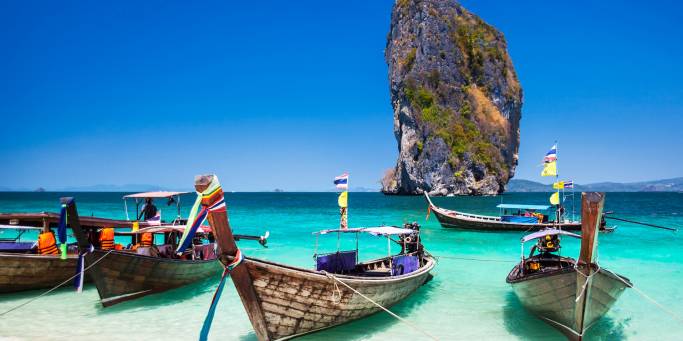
467 299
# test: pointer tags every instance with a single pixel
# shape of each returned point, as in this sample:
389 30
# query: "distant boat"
284 301
568 294
514 217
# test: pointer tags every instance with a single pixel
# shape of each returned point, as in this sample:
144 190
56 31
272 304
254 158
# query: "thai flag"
156 220
551 155
342 181
568 184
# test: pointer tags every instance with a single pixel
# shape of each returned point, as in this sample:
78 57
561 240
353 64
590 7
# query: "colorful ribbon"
203 336
211 200
61 231
80 267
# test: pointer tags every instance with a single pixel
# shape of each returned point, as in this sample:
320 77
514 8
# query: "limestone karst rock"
456 98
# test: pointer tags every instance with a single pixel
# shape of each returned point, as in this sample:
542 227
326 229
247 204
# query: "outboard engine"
411 242
549 243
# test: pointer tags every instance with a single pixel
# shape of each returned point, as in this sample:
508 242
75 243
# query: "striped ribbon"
61 231
80 268
206 327
211 200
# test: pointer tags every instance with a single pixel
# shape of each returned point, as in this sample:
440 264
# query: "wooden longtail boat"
456 219
122 275
22 267
285 301
570 295
21 272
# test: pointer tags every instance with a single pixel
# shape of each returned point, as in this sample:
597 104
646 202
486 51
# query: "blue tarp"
524 207
403 264
337 262
16 246
519 219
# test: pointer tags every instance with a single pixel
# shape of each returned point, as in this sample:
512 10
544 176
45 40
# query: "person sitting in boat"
149 210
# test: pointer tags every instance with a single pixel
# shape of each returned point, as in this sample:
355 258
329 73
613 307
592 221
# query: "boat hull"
123 276
553 297
297 301
454 219
21 272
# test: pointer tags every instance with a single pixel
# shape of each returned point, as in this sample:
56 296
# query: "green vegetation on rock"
456 98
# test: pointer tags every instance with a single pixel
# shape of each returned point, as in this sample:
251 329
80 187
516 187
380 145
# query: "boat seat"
382 272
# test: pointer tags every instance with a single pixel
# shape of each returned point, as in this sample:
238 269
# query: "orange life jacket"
107 238
47 244
147 239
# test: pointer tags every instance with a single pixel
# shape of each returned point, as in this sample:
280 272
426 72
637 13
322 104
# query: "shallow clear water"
468 297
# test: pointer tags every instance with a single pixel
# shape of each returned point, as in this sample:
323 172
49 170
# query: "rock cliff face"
456 98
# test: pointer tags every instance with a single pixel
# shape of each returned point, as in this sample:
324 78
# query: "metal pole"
125 207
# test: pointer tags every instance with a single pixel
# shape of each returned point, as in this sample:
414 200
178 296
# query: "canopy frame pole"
315 251
522 263
125 207
177 205
391 266
357 233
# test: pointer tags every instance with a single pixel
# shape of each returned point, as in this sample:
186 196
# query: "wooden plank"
591 213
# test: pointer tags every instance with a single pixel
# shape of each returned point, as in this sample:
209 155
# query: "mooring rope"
671 313
58 285
380 306
479 259
585 284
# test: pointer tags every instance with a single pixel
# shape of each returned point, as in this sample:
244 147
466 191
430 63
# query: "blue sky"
290 94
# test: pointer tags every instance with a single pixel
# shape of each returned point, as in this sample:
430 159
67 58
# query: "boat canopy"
549 232
19 227
168 228
158 194
376 231
524 207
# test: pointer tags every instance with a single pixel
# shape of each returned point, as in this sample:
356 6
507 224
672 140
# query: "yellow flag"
558 185
555 198
549 169
343 199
